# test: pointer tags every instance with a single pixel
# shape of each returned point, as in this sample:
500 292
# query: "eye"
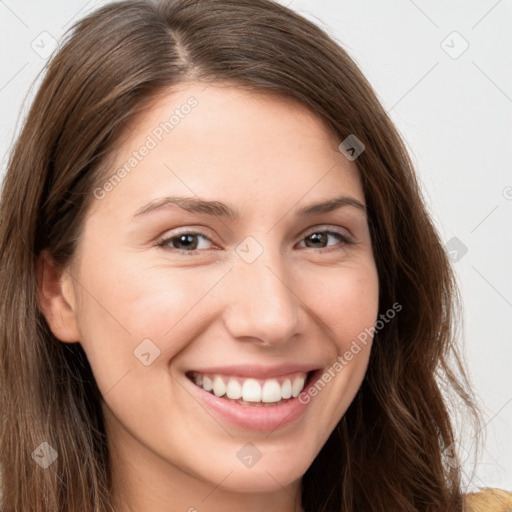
319 237
184 242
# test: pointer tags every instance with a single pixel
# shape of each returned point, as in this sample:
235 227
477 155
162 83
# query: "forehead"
226 141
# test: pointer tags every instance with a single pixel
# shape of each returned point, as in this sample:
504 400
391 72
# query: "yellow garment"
489 500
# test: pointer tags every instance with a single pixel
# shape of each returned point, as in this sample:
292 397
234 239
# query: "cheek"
346 300
126 303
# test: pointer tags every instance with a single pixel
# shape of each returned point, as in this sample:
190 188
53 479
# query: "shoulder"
489 500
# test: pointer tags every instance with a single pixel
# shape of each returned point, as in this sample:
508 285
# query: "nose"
260 301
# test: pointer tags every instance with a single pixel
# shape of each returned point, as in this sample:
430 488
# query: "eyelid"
329 228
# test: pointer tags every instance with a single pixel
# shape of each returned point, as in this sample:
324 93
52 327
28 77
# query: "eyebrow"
219 209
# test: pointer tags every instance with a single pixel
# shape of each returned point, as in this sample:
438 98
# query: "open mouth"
253 392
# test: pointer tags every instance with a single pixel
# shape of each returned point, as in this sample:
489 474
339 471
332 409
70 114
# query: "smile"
251 391
265 398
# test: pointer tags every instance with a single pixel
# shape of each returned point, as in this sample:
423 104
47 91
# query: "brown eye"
319 239
185 242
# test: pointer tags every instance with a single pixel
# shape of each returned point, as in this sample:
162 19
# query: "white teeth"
219 388
207 384
270 391
251 391
298 384
234 390
286 390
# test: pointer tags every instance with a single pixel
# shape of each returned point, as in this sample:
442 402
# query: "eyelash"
345 239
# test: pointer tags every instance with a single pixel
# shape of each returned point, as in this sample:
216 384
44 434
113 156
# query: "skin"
267 157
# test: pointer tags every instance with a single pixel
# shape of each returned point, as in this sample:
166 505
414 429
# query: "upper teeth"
252 390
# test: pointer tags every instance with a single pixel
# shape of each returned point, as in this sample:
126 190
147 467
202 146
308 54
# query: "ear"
56 298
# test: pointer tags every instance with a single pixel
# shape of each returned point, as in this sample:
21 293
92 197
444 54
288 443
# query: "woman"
171 336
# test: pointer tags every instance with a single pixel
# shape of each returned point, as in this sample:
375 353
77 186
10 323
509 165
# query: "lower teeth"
256 404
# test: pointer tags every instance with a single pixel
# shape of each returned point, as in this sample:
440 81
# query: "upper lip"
255 371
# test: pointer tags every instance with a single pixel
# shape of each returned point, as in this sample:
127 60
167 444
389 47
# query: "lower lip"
254 417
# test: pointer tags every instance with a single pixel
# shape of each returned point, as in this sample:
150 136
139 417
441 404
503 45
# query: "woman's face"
251 301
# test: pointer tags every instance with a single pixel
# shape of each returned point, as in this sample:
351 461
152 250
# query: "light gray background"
453 109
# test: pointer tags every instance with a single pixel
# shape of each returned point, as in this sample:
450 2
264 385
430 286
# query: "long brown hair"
393 449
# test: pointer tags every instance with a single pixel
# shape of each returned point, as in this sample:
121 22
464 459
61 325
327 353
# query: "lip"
256 372
254 418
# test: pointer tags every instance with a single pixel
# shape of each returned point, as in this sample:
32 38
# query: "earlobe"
56 298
